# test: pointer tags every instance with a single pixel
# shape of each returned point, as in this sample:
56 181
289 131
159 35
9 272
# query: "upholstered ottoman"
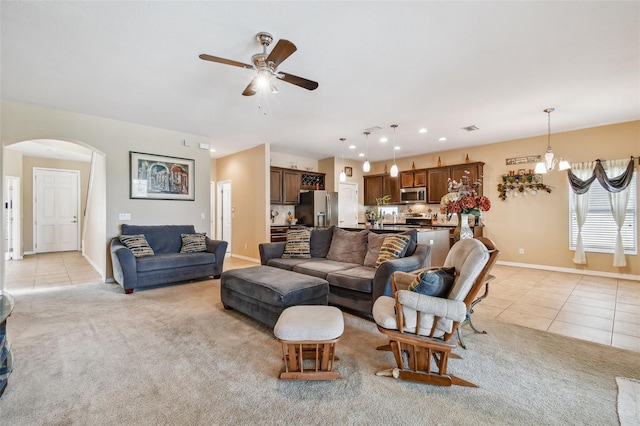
311 333
263 292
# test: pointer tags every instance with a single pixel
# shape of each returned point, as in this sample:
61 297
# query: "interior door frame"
78 205
222 210
13 214
354 186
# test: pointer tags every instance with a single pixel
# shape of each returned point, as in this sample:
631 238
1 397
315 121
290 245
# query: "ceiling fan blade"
283 49
225 61
252 88
298 81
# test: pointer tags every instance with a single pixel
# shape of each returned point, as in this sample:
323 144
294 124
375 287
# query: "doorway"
12 218
56 210
348 204
224 213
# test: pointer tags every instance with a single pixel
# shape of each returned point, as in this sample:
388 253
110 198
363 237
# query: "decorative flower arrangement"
374 215
463 198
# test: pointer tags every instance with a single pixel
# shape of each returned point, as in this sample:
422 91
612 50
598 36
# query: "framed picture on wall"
158 177
348 171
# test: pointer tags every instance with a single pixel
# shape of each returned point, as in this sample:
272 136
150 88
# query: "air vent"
470 128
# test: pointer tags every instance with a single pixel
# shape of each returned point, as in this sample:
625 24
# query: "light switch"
124 216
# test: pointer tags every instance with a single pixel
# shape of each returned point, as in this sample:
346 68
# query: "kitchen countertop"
399 227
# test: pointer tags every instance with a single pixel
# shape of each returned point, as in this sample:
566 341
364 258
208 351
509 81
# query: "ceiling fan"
267 65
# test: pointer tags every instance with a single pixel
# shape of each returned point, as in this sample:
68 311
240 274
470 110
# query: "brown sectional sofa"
346 259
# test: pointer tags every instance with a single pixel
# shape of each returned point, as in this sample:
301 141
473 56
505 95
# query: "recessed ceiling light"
442 139
212 150
397 148
423 130
361 154
352 147
383 139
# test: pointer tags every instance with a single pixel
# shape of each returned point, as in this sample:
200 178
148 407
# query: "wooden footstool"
311 333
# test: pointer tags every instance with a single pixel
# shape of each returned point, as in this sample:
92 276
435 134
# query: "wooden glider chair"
421 327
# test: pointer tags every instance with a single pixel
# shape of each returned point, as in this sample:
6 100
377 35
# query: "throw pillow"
192 243
434 282
321 241
373 248
297 246
348 246
138 244
393 247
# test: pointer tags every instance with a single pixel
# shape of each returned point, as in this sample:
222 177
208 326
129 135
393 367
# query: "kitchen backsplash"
280 213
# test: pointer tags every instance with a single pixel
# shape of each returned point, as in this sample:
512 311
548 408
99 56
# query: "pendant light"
366 166
394 169
343 175
549 162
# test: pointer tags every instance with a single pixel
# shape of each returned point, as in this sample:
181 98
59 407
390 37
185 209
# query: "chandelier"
549 162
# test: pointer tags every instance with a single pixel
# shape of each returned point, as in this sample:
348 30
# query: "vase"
462 231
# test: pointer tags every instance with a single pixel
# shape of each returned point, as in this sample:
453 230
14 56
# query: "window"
599 230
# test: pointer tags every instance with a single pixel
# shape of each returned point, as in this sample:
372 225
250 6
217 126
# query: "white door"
224 213
56 210
347 204
12 218
212 209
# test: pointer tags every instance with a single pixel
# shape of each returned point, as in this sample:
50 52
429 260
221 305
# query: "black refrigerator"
318 209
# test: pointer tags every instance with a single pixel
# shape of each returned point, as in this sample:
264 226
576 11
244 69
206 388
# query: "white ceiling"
439 65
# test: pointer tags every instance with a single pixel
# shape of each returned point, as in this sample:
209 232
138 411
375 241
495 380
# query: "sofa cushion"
192 243
138 244
359 279
297 244
321 241
161 238
393 247
373 248
174 260
348 246
321 267
411 249
434 282
288 264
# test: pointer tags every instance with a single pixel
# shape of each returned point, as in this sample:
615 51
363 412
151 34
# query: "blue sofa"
167 265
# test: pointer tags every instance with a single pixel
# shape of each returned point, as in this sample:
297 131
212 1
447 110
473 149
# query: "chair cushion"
434 282
393 247
320 241
297 244
348 246
373 248
192 243
137 244
469 257
309 323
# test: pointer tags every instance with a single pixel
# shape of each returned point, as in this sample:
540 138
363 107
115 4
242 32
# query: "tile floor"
601 310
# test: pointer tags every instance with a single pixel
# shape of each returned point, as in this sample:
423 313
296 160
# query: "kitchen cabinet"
413 179
279 233
377 186
438 179
285 184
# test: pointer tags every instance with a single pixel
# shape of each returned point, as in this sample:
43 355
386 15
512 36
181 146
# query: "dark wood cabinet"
290 187
285 184
377 186
276 186
438 179
413 179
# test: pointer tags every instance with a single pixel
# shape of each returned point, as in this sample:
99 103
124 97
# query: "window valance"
614 185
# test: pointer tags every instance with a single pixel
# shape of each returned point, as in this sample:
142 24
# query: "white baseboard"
250 259
572 271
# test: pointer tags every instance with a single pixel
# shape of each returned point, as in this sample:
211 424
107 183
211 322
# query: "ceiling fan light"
366 167
394 170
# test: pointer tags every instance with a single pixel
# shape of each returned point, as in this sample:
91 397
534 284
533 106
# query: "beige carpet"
90 355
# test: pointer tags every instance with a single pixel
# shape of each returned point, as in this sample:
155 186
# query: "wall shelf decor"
514 185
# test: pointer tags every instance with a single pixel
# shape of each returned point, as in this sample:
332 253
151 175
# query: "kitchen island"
437 238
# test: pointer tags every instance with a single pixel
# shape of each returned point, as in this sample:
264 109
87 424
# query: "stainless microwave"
413 195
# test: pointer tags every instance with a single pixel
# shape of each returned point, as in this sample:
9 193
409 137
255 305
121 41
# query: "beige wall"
28 164
248 172
94 233
540 224
113 138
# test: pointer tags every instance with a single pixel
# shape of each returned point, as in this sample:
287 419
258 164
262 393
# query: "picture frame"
160 177
348 171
